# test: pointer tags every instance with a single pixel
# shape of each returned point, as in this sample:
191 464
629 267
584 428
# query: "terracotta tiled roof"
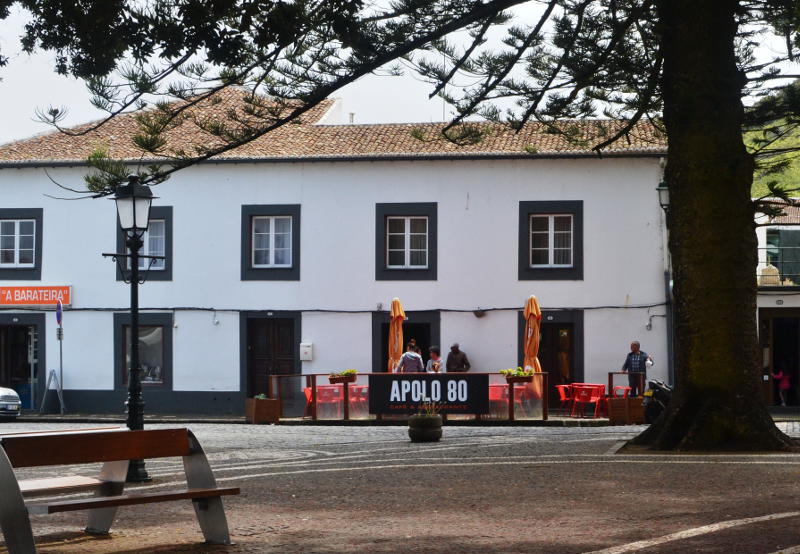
310 140
791 216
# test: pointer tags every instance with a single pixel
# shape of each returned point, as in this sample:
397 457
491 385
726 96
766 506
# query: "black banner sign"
453 393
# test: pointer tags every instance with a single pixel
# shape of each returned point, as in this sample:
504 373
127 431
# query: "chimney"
352 117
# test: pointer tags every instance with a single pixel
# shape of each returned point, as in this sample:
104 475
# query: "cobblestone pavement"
482 489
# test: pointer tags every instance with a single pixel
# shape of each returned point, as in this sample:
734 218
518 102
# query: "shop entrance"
420 326
18 363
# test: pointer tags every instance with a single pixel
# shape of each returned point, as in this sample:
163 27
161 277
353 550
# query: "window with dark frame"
270 242
21 243
551 240
155 349
406 241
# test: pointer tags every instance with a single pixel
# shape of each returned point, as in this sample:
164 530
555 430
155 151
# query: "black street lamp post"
133 208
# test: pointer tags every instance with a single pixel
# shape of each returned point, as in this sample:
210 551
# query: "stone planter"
334 379
262 410
425 428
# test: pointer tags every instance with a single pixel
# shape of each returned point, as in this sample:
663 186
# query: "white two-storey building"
305 236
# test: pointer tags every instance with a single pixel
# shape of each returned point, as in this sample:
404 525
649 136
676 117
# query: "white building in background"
307 235
779 301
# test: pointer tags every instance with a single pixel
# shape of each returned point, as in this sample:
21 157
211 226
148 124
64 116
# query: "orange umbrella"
396 318
533 321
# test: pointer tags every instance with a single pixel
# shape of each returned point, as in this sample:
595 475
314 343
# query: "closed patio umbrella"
533 321
396 318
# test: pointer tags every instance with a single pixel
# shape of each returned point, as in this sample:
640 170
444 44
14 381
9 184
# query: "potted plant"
261 409
518 375
346 376
425 426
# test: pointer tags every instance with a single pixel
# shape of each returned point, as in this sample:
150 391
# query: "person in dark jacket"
636 362
457 361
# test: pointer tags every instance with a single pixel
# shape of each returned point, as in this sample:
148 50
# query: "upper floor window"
406 242
155 244
551 240
156 241
21 243
271 242
17 242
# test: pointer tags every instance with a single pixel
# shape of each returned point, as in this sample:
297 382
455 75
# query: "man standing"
457 361
635 364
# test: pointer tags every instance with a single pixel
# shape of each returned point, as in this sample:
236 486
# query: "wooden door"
271 351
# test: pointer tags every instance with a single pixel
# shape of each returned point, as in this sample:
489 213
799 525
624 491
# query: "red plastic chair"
565 397
330 395
621 392
588 394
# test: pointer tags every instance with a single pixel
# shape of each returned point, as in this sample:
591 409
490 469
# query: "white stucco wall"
478 207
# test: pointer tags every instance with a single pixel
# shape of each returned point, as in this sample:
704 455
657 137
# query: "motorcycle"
656 399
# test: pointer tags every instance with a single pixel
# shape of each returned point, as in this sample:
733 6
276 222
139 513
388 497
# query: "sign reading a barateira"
36 296
454 393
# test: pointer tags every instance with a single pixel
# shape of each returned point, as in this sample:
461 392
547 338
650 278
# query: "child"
784 384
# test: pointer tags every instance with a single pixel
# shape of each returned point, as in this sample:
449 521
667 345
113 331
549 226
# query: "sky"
29 83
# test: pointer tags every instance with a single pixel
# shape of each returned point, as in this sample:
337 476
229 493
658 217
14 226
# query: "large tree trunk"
712 239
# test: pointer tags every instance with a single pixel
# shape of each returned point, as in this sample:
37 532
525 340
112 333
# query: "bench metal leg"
211 517
210 512
14 518
100 519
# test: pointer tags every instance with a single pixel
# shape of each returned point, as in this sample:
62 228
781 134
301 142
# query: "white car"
10 406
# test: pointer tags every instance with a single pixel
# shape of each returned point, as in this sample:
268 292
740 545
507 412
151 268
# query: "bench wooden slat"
64 431
125 500
57 485
63 449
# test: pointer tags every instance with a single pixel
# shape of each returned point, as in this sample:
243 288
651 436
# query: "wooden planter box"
625 411
342 379
262 410
522 379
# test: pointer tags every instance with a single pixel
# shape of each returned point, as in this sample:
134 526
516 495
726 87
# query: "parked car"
10 405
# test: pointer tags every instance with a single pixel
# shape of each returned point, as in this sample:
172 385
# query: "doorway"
18 361
557 354
271 348
420 326
785 357
560 348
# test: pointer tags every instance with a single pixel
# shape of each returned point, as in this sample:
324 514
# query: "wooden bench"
114 448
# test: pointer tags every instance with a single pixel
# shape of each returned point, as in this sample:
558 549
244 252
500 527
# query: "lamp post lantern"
663 195
133 208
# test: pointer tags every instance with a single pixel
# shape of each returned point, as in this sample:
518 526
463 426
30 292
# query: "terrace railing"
312 396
